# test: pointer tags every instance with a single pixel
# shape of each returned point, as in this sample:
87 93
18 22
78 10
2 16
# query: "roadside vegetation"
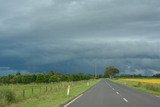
151 85
42 90
42 95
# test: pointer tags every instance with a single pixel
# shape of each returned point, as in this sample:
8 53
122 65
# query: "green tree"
46 78
40 78
111 71
18 73
54 78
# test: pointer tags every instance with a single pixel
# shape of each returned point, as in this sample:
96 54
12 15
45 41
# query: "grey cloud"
8 70
50 33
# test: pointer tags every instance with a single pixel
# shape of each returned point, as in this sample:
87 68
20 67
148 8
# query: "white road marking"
72 101
108 84
119 94
125 100
158 96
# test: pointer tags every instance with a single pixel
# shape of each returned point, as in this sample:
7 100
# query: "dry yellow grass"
151 81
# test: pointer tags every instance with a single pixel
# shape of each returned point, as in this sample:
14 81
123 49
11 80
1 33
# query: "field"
150 85
45 95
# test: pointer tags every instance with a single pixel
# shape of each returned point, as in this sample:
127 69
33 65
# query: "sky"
72 36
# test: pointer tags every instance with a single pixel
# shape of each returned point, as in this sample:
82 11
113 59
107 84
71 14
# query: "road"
109 94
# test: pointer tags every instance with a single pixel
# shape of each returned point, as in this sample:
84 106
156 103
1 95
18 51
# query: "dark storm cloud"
72 35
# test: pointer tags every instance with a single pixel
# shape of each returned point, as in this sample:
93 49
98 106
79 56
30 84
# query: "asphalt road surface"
109 94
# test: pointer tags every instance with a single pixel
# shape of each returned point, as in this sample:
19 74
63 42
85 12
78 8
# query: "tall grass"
152 87
6 97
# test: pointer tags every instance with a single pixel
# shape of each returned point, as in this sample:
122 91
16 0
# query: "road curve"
109 94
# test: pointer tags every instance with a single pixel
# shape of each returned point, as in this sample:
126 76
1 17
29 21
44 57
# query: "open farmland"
150 85
150 81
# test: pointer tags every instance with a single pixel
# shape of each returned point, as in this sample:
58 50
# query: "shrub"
54 78
139 84
152 87
6 97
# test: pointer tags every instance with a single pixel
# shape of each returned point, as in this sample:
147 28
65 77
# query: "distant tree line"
156 75
44 78
131 75
113 72
137 76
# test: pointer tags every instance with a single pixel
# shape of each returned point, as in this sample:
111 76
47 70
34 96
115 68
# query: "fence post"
40 89
46 88
23 93
4 101
32 90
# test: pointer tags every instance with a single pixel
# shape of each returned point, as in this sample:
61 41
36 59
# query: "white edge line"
125 100
117 92
158 96
72 100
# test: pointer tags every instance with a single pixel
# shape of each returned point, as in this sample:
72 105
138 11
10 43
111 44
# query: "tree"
54 78
111 71
18 73
40 78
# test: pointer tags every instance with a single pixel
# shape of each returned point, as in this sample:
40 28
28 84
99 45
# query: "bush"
152 87
139 84
54 78
6 97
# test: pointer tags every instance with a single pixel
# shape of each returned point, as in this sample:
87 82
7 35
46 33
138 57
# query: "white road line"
72 101
117 92
158 96
125 100
108 84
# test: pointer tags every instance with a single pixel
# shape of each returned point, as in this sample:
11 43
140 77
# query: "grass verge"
146 87
46 95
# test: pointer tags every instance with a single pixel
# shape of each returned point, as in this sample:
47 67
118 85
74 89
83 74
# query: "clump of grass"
152 87
139 84
6 97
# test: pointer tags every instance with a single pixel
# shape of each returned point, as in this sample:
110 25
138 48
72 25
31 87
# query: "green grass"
146 87
37 95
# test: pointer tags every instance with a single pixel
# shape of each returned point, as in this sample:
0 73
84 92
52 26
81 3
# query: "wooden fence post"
40 89
23 93
46 88
51 88
32 90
